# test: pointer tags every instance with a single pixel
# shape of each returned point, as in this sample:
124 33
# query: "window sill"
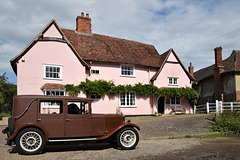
128 107
127 76
175 105
173 84
53 79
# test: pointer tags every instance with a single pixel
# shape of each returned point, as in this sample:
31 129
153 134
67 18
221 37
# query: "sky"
193 28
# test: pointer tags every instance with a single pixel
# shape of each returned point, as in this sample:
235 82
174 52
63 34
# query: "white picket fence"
217 107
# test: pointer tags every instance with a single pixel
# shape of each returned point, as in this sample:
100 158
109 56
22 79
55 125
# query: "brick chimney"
83 24
217 73
190 69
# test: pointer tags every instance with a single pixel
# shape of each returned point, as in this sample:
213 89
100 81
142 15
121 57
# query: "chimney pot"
82 14
87 15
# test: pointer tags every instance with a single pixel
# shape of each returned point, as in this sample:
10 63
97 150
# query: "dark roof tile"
96 47
232 63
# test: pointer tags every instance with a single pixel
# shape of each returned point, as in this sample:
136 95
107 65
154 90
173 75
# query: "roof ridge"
111 37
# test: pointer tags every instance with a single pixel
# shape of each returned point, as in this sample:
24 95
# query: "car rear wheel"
30 141
127 138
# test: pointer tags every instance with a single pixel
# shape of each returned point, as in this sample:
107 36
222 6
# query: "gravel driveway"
154 143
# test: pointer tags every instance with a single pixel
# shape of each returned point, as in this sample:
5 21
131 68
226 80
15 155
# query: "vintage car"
37 120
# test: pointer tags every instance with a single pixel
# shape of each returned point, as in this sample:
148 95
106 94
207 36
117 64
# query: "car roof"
45 97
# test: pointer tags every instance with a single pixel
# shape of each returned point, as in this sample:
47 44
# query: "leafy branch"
102 87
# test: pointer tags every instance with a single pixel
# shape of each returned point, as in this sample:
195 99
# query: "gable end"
40 37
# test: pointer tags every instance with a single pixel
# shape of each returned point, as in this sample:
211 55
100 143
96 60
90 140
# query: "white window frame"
130 75
52 65
173 81
54 91
127 101
175 100
94 71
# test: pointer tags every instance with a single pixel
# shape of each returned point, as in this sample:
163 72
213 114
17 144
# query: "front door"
161 105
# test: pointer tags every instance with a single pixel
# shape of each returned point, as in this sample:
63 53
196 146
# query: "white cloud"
192 28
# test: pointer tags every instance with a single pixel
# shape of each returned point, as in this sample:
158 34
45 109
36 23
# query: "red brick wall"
217 73
83 24
238 96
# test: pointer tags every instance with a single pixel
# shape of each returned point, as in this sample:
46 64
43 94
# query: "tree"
7 92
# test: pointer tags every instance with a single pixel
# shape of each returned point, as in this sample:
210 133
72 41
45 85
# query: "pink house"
57 57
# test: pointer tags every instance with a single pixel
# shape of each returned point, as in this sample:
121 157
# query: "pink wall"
184 104
52 32
30 67
172 70
111 72
110 104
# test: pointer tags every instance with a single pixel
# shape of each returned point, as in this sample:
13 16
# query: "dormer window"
127 70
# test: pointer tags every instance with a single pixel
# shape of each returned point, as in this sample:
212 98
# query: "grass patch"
215 135
5 115
227 122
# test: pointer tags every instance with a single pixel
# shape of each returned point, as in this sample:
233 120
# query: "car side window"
77 108
51 107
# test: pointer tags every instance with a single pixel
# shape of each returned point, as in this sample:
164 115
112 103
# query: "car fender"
25 126
107 135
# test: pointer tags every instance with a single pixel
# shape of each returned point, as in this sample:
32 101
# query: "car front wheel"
127 138
30 141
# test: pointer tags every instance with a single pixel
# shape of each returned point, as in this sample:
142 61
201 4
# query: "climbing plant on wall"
103 87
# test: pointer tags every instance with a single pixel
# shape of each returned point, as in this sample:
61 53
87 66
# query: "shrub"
227 121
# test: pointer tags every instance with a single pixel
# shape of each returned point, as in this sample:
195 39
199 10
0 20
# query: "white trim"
52 65
172 105
123 75
55 90
130 106
173 78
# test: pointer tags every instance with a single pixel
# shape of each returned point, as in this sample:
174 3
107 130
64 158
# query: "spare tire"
10 125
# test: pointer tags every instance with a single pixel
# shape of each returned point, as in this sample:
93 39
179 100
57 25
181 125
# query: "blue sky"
193 28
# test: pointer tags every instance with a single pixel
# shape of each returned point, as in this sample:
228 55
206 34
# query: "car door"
77 121
51 117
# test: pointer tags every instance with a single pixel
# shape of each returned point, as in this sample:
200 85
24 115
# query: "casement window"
95 71
127 99
52 71
175 101
54 92
127 70
172 81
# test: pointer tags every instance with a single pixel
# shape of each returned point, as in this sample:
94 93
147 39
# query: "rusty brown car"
37 120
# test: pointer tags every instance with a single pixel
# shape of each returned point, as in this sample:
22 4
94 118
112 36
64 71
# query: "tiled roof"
52 86
163 60
232 63
96 47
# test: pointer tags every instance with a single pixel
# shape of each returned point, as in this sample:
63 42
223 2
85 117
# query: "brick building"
220 81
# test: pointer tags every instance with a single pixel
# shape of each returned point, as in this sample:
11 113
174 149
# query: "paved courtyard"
151 146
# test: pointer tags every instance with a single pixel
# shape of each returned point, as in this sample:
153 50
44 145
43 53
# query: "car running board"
71 140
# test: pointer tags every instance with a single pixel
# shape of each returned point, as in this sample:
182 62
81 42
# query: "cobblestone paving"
152 145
